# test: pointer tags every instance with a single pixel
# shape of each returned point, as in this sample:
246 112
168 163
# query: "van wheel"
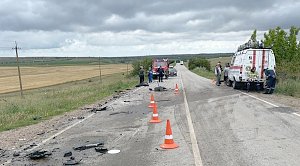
234 84
228 82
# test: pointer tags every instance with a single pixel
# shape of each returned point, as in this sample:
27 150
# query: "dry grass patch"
36 77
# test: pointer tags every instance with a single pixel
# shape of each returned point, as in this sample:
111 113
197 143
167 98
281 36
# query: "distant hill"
54 61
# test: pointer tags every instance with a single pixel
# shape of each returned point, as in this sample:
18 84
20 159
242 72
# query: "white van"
243 61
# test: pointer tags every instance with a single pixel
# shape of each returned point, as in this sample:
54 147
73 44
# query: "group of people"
160 72
252 78
218 73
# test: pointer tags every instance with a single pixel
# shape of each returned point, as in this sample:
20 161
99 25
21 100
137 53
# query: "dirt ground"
36 77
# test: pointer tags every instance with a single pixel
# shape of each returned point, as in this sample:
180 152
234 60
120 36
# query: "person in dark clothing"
271 81
142 74
160 74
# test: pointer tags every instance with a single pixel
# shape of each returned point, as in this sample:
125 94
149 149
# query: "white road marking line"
57 134
276 106
260 99
195 148
296 114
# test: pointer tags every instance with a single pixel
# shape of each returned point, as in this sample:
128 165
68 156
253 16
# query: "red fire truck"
156 63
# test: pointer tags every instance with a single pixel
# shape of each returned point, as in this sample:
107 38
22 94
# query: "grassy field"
43 103
36 77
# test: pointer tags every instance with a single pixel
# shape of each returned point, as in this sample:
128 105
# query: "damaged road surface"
227 128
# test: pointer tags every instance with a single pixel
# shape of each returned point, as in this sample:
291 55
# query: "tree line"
286 49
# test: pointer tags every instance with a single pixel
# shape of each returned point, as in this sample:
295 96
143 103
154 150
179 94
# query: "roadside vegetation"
44 103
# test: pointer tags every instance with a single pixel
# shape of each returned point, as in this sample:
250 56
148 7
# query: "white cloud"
136 27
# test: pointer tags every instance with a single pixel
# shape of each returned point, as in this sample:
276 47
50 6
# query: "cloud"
129 27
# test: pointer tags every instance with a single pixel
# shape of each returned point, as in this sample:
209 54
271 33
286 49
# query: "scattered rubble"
84 147
39 154
160 88
68 154
16 154
142 84
41 133
95 109
30 146
122 112
72 161
101 150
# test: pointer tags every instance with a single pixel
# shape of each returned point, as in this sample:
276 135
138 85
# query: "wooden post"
19 72
100 74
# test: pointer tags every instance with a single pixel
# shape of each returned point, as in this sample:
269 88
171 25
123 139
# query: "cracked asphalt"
231 128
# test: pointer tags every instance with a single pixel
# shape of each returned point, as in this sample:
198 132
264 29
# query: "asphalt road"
213 126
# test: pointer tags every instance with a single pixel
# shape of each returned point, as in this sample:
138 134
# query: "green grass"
204 73
44 103
290 87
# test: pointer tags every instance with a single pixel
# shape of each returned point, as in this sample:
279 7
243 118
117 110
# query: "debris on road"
30 146
41 133
95 109
84 147
160 88
16 154
39 154
68 154
122 112
142 84
72 161
114 151
101 150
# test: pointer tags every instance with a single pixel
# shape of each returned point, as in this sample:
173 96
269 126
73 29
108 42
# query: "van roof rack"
252 45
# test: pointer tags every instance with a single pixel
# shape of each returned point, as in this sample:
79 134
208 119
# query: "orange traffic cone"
155 118
169 142
152 102
176 89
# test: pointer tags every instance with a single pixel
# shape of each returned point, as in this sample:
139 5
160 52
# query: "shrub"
199 62
146 63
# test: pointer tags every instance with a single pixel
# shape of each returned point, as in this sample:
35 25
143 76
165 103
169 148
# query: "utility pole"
19 72
100 70
127 65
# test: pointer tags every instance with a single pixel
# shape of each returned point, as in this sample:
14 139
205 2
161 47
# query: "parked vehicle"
172 72
181 62
156 63
244 60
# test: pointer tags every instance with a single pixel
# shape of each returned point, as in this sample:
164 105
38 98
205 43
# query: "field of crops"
36 77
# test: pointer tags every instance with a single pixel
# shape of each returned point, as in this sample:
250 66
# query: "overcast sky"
137 27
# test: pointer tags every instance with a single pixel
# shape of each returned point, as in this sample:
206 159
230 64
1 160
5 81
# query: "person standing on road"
150 75
160 74
271 81
141 74
226 70
167 73
218 73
